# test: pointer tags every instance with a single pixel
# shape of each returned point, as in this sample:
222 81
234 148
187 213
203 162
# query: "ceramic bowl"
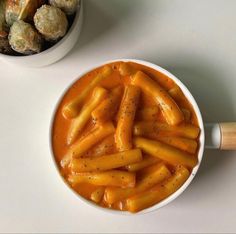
54 53
201 137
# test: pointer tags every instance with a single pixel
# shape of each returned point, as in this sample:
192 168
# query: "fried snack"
28 9
51 22
68 6
24 39
12 11
21 10
5 48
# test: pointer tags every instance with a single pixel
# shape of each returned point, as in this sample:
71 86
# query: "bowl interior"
201 137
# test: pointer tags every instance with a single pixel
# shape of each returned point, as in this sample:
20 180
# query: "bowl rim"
55 46
190 98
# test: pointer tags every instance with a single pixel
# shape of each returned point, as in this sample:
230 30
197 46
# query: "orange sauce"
61 124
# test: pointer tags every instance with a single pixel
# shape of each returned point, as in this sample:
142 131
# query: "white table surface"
195 40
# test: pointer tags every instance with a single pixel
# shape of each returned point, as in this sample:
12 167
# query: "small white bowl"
201 138
56 52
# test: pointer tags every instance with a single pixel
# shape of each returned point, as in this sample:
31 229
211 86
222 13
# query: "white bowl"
201 138
56 52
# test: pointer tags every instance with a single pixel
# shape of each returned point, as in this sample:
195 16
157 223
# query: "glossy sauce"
61 124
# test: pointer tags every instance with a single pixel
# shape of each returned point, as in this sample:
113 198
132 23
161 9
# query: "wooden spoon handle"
228 136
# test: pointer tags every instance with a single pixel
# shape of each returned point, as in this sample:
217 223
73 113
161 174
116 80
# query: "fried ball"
24 39
51 22
12 11
68 6
21 10
28 8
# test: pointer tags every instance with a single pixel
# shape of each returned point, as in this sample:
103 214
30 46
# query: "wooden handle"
228 136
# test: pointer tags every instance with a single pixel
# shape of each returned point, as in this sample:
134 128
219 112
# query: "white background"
195 40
